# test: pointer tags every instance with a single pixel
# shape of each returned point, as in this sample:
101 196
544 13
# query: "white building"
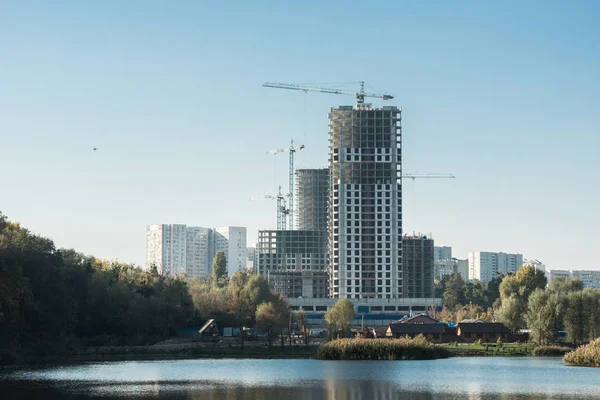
250 258
537 264
448 267
485 266
443 268
166 248
442 253
557 273
462 267
198 252
232 241
590 278
181 250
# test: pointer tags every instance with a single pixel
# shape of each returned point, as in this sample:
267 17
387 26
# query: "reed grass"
382 349
587 355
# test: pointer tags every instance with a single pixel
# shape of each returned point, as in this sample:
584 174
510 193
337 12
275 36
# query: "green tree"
454 291
514 295
474 293
340 317
219 269
592 310
575 319
440 286
492 291
563 285
544 311
511 313
247 290
272 316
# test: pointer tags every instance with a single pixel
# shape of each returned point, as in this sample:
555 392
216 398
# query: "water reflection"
329 390
453 379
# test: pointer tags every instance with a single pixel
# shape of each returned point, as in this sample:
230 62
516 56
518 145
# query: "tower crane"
292 150
282 210
360 95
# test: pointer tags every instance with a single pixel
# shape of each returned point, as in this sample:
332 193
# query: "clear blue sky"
504 95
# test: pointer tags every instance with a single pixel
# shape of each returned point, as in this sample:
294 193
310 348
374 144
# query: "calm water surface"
455 378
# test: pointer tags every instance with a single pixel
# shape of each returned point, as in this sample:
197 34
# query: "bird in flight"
95 148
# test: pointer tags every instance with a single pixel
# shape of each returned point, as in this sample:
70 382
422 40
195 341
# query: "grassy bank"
492 349
191 351
585 356
381 349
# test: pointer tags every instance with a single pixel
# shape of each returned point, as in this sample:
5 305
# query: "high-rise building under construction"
365 213
312 199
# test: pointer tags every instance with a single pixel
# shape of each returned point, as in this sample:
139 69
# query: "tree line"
55 301
525 300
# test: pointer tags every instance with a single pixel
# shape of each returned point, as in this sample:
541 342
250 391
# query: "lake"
473 378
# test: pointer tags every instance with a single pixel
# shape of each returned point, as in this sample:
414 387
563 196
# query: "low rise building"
434 333
372 311
487 332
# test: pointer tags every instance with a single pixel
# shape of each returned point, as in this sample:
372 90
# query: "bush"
382 349
587 355
550 351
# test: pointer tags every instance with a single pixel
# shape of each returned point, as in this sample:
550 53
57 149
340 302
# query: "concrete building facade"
177 249
294 262
365 213
590 278
462 267
166 248
312 199
448 267
250 258
442 253
198 252
232 241
537 264
485 266
417 267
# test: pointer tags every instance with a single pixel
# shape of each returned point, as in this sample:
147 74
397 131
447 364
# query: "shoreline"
196 350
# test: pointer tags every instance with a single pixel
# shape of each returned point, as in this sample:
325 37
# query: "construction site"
339 229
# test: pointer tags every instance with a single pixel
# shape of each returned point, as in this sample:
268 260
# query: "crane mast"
282 210
290 209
